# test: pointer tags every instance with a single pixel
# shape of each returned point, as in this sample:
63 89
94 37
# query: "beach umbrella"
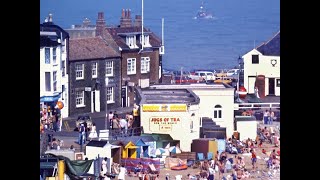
174 149
160 151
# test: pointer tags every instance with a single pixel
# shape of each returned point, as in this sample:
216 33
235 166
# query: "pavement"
101 114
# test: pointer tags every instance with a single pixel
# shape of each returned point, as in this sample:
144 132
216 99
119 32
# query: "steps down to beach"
210 129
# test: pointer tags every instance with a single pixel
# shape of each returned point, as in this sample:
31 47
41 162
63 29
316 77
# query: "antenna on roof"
254 44
142 36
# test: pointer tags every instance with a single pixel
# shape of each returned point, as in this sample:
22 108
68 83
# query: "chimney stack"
138 21
125 20
100 24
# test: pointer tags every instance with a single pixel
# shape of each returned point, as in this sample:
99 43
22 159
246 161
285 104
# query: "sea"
190 44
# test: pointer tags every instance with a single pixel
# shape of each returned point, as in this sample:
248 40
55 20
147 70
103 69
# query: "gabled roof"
90 48
51 27
97 143
272 47
118 33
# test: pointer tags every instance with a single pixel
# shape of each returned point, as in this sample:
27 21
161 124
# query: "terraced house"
54 44
94 75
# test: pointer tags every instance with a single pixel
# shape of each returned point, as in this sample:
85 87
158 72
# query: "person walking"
93 133
110 119
266 116
104 168
122 172
124 126
272 117
81 134
253 159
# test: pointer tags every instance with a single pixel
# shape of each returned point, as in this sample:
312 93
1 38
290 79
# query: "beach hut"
103 149
142 147
163 140
129 149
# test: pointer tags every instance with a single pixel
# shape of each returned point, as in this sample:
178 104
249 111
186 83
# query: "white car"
206 75
232 72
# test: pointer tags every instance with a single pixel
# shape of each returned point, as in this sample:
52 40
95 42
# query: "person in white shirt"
123 125
122 173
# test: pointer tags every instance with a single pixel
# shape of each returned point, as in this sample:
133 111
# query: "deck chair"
200 156
153 169
209 156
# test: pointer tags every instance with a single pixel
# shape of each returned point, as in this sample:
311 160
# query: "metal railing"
258 105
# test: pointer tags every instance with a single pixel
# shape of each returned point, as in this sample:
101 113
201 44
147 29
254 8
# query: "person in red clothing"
253 158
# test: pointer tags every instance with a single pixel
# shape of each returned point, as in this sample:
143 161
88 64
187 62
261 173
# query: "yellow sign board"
164 108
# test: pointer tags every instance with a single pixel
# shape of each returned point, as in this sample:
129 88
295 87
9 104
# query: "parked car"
232 72
84 118
184 80
206 75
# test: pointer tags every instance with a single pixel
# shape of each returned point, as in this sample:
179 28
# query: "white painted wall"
209 98
247 129
61 55
180 131
263 68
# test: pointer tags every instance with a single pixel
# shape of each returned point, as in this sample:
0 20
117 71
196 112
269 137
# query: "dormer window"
131 41
146 42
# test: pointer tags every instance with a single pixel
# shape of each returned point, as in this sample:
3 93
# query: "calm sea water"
237 26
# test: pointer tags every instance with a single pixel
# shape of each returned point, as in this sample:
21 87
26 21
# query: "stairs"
210 129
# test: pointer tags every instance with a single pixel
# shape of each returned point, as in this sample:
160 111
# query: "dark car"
84 118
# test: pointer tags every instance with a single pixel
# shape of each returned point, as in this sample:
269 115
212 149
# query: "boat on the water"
203 13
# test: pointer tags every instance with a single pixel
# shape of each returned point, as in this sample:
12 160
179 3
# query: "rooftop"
165 96
91 48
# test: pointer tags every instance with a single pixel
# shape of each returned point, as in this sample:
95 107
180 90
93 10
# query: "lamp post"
240 62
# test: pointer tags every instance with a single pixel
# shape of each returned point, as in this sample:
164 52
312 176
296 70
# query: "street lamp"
240 62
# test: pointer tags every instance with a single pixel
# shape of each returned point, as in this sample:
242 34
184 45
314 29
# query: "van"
206 75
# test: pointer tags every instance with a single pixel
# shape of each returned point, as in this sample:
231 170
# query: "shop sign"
163 123
164 108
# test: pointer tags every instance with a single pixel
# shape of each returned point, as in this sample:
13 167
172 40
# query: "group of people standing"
86 133
269 117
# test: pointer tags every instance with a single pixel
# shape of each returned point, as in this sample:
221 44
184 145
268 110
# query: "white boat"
203 13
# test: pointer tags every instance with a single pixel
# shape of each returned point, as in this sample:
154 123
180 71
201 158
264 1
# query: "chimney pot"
123 13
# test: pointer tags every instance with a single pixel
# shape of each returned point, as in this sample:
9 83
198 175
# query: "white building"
263 61
171 111
216 102
53 61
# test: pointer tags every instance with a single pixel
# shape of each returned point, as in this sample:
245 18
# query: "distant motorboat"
203 14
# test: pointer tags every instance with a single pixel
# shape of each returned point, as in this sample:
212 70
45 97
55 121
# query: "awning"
50 98
133 147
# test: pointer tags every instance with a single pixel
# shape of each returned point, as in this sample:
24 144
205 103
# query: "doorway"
271 86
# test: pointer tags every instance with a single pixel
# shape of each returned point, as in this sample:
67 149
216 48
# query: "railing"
258 105
114 134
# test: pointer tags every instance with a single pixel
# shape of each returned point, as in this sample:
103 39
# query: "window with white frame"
94 70
79 98
144 39
79 71
217 112
48 81
47 55
131 66
54 55
145 64
54 80
109 68
110 94
131 41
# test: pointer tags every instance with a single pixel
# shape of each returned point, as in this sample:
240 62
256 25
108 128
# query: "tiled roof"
90 48
121 42
272 47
